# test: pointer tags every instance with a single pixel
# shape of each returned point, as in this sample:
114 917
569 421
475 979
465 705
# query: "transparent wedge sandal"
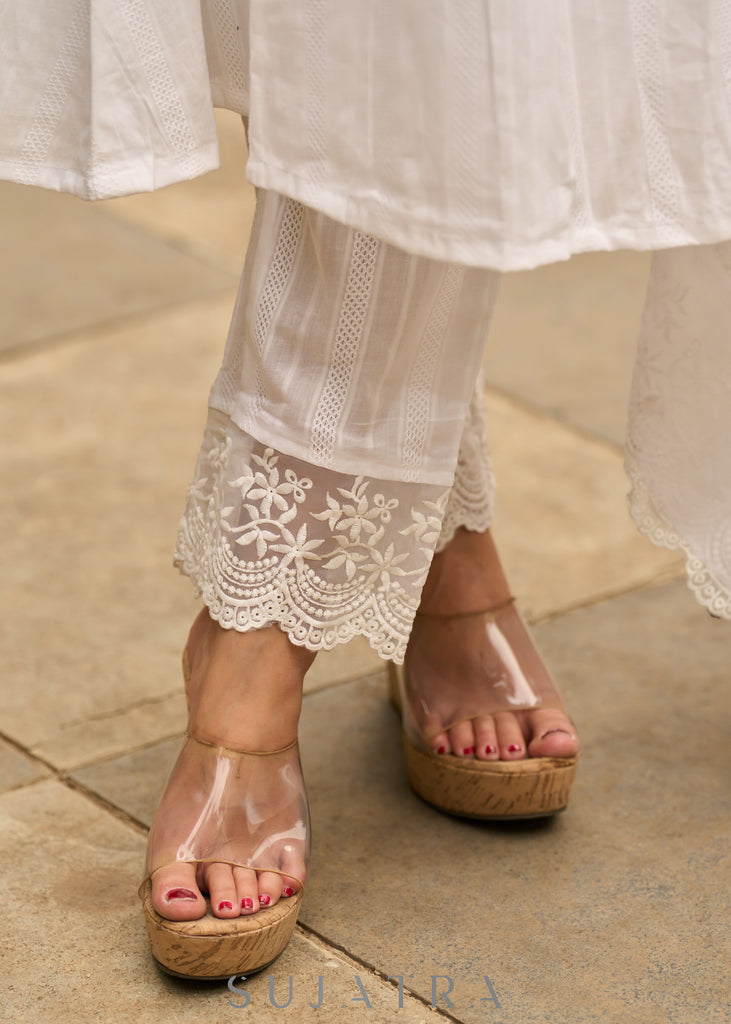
466 786
244 808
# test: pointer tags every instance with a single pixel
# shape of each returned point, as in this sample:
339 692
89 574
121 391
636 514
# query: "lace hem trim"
263 546
472 499
707 590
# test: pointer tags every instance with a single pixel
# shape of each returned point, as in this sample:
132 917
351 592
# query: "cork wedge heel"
468 787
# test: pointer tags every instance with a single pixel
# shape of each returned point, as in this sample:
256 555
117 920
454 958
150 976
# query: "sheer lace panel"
471 502
267 539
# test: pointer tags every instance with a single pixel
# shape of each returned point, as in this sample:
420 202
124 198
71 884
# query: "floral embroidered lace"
267 538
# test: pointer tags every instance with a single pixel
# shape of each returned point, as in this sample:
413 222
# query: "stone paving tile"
613 911
90 506
105 440
610 910
68 266
564 337
349 661
75 948
562 524
16 769
210 215
132 782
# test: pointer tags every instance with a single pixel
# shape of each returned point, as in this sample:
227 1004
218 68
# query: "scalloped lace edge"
704 586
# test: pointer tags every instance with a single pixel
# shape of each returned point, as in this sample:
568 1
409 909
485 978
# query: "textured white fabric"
485 132
350 354
345 405
500 133
678 452
104 97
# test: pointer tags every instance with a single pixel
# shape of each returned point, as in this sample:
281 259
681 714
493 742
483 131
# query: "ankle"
245 688
466 576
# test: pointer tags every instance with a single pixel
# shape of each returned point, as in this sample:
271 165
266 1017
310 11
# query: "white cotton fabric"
678 453
349 353
346 440
104 97
485 132
503 134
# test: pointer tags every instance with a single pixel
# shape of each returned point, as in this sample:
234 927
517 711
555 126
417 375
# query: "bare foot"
224 808
463 669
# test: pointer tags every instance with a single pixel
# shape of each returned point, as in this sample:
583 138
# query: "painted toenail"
468 751
264 900
441 750
225 905
180 894
514 748
247 903
489 749
288 891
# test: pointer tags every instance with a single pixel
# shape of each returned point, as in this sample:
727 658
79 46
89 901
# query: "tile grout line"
115 754
660 579
106 716
376 675
17 354
320 941
64 777
206 252
103 804
530 408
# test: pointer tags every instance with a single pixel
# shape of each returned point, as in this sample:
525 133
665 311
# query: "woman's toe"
553 735
510 741
462 739
175 894
247 890
486 745
436 735
222 890
293 874
269 884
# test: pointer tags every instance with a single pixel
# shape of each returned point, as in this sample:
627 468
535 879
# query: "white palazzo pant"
346 444
345 441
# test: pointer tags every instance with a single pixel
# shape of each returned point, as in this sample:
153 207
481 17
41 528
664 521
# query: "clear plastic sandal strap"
492 610
235 752
244 808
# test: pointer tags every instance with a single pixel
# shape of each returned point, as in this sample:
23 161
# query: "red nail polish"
180 894
441 750
514 748
264 900
225 905
468 751
489 749
247 903
288 891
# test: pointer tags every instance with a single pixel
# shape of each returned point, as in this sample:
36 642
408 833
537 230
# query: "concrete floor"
112 320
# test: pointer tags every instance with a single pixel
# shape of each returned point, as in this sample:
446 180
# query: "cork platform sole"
213 948
493 790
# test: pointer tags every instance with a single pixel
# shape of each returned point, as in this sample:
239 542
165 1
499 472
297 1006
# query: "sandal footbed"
212 948
533 787
530 788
